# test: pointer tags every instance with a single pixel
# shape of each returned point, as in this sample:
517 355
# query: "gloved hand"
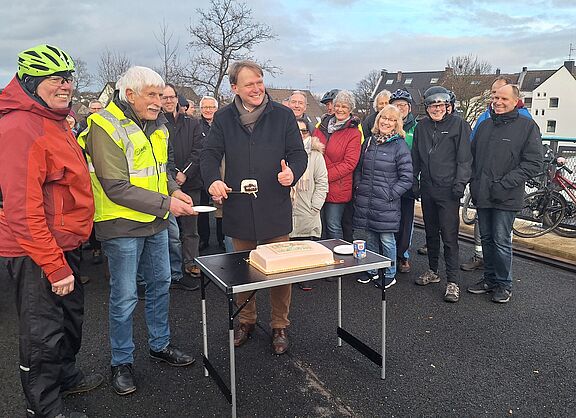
458 191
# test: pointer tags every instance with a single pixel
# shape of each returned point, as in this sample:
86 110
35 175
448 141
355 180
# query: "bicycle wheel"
567 226
468 210
541 212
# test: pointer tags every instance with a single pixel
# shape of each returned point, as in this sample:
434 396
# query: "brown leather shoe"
193 271
403 266
279 340
242 333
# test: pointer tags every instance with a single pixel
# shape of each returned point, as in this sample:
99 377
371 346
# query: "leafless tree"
171 69
83 77
111 65
469 78
225 32
363 92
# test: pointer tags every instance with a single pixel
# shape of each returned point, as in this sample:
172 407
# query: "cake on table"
286 256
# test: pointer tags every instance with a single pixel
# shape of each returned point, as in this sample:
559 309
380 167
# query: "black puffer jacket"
441 155
507 150
186 139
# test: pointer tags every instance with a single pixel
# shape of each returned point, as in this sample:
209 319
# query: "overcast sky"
337 42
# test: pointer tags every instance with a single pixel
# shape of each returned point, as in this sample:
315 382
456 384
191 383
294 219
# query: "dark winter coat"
441 155
255 155
383 175
341 154
185 136
507 150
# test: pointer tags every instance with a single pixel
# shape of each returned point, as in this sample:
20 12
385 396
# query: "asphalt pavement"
470 359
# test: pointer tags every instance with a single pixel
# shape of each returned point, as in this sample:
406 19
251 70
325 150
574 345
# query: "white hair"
383 93
136 79
209 98
346 97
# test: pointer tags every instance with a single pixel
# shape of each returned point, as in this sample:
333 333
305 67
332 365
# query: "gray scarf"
335 125
249 119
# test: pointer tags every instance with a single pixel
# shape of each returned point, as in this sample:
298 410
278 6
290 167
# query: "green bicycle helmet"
43 60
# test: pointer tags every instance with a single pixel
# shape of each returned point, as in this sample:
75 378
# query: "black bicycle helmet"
400 95
329 96
436 94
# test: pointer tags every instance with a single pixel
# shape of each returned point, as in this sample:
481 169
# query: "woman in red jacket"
341 135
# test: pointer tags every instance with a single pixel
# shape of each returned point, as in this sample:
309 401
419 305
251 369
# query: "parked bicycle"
547 209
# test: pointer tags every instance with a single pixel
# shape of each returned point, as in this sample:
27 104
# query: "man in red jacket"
47 214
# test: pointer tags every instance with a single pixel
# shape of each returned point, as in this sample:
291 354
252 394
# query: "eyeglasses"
56 80
168 97
208 107
385 119
400 104
304 131
437 106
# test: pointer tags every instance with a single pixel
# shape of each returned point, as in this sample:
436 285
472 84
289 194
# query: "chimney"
569 66
521 77
497 72
399 77
448 71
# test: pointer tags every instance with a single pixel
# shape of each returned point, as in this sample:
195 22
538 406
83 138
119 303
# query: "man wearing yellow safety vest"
127 151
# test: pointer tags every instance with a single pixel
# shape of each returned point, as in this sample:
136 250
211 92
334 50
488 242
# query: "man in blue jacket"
506 152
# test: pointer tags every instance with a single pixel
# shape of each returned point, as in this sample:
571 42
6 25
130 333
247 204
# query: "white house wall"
561 85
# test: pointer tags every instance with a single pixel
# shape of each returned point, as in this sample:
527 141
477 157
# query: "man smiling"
259 139
127 150
507 151
441 159
47 214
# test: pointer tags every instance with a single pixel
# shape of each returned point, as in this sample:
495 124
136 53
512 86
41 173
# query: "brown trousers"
280 296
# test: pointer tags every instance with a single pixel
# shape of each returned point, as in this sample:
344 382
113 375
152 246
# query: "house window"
433 80
408 81
390 81
537 94
528 102
537 80
544 94
553 102
551 126
542 112
536 112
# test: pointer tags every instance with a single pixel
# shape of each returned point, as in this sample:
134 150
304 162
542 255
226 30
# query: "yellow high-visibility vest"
147 160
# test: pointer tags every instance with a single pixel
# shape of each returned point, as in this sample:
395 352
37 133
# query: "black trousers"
404 234
347 222
441 219
204 218
50 328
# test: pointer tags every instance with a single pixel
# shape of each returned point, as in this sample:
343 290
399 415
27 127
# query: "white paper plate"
204 208
344 249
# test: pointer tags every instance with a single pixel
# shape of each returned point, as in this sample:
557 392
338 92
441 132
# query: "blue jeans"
333 218
125 255
377 240
495 233
175 249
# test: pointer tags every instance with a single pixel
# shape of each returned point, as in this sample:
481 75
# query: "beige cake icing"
291 255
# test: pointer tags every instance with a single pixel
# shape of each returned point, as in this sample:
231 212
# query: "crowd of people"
127 179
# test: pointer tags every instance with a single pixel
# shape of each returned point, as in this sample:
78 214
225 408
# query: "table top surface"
232 273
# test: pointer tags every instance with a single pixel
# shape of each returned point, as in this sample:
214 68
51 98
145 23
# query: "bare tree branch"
363 92
83 77
171 69
469 78
226 32
111 65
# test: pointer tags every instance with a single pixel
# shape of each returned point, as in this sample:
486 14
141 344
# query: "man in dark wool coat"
259 140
